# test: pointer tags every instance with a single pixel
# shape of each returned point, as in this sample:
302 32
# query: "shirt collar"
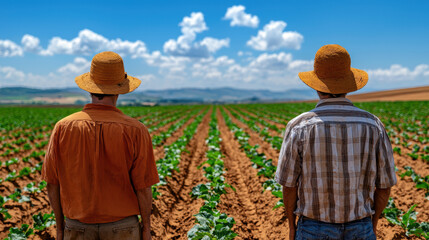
334 101
93 106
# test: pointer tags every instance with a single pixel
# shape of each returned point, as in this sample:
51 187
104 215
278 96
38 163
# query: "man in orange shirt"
99 165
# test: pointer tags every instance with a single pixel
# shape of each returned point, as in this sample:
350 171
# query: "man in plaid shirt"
336 163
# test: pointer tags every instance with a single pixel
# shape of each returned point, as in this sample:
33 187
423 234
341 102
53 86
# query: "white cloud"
9 49
398 72
30 43
272 37
193 24
10 73
78 66
398 76
89 42
239 17
185 44
214 44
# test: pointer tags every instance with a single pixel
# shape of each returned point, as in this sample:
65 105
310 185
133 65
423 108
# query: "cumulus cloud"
88 42
185 44
239 17
272 37
10 73
398 72
30 43
78 66
397 76
9 49
214 44
62 77
10 77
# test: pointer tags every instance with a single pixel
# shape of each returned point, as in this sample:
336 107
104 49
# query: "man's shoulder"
74 117
335 114
118 118
298 120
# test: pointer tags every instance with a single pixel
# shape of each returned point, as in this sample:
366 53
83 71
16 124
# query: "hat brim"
129 84
354 81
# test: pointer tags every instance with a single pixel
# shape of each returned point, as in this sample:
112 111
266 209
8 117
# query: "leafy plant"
41 222
20 233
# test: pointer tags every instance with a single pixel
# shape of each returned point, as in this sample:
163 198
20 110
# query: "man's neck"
108 100
104 103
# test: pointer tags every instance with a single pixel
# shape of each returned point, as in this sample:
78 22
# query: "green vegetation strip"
171 160
421 182
40 223
408 220
18 196
211 223
162 136
265 166
275 141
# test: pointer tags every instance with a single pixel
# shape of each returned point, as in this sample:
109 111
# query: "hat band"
107 81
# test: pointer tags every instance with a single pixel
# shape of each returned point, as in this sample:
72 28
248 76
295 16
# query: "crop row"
210 222
275 141
407 220
259 160
171 160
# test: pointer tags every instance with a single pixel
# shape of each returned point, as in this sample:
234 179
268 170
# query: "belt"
354 221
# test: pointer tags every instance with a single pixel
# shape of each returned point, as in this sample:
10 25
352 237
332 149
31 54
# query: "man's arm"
290 195
54 199
381 197
144 197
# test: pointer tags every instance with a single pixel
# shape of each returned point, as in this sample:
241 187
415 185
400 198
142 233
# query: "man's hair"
331 95
101 96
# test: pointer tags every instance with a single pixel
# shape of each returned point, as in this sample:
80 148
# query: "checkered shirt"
336 154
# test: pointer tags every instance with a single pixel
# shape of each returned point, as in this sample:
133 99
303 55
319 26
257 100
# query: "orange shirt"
100 157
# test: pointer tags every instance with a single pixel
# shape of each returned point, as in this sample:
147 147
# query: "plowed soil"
251 207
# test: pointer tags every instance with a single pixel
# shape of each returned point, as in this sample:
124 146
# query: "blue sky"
246 44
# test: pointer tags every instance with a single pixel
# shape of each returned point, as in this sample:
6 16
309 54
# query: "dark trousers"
356 230
127 228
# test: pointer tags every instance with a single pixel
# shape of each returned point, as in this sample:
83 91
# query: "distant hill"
21 95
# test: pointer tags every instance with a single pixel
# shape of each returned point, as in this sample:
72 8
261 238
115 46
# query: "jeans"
127 228
313 229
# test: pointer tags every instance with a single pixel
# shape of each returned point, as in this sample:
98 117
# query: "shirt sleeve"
289 164
385 163
49 169
143 171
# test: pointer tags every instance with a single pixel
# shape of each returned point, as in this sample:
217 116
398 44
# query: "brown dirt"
406 94
159 151
173 211
270 131
22 212
279 125
255 138
248 205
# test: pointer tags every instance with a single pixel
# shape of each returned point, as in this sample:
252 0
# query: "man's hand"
55 200
381 197
60 234
146 234
290 195
144 197
292 232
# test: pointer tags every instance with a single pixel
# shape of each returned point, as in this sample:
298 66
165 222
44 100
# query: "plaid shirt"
337 154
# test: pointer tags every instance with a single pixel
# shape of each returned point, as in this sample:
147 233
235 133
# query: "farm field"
216 164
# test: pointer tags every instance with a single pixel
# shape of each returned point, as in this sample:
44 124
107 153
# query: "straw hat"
332 72
107 76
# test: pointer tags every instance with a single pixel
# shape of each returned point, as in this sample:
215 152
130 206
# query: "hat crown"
332 61
107 68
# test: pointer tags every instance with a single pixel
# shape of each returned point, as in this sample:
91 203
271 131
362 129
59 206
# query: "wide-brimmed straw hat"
107 76
333 72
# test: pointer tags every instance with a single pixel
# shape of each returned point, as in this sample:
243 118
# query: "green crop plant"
210 222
